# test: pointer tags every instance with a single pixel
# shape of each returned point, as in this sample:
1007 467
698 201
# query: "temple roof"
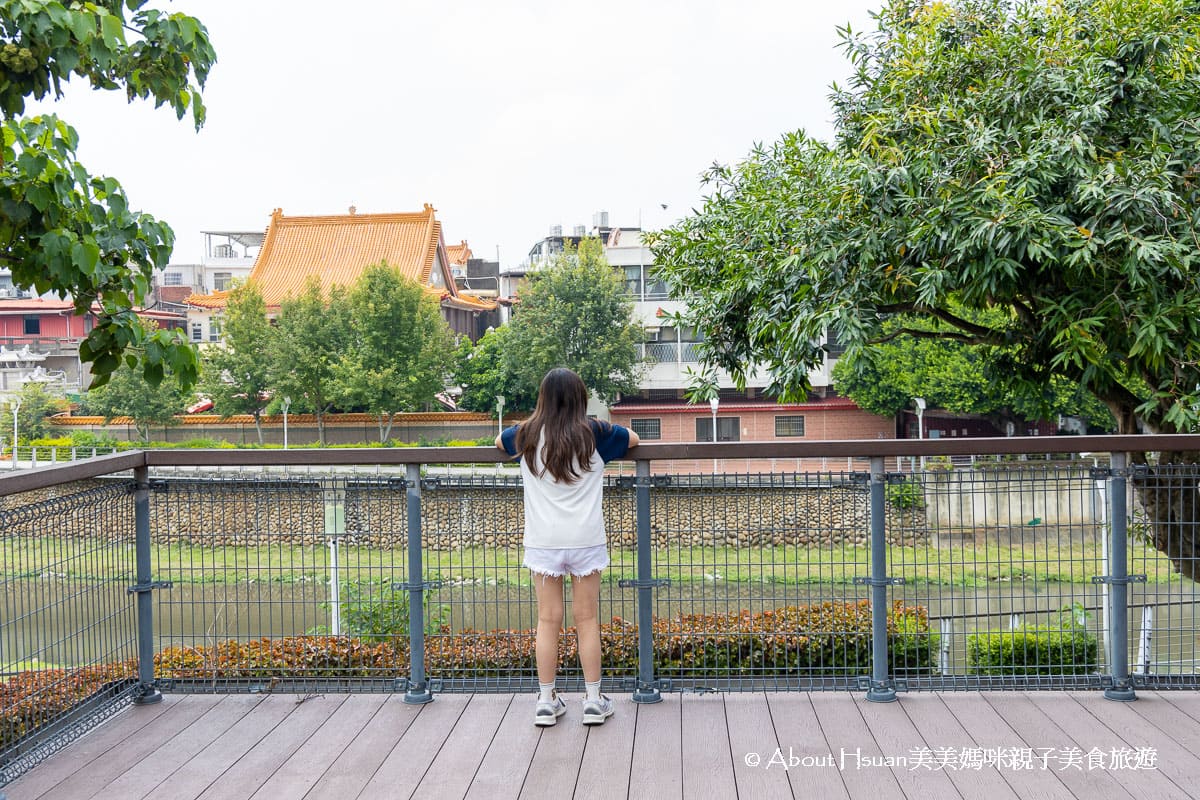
336 249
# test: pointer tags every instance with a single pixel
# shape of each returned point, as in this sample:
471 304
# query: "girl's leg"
585 609
549 591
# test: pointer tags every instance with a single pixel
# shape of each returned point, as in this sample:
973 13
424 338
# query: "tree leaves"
66 231
1037 159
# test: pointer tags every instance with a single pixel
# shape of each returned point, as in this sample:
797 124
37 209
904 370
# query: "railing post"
145 599
1118 577
647 690
881 689
418 690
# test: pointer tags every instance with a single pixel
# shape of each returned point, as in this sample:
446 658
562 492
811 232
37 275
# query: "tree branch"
974 334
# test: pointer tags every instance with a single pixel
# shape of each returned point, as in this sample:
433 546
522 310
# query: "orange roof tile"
459 253
337 248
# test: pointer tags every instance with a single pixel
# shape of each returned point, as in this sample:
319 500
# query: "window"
172 279
647 428
221 281
633 281
33 326
832 346
656 285
728 429
789 426
197 332
214 332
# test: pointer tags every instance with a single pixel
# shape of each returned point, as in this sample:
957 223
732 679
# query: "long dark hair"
560 418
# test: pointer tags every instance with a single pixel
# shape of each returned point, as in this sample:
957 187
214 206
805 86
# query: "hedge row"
825 637
34 698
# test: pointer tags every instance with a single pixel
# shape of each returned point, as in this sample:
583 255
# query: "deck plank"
76 765
1167 717
485 746
453 769
1116 725
502 772
896 736
296 776
355 765
849 736
1039 731
707 756
304 715
207 765
554 768
657 767
608 754
940 731
800 736
1187 702
222 714
989 730
751 731
405 766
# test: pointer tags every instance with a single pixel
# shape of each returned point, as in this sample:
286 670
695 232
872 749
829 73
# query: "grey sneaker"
596 711
547 714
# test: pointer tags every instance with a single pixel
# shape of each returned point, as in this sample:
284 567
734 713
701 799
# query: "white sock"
592 691
546 694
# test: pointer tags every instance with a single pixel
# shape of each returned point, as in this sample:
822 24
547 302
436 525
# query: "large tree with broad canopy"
1026 174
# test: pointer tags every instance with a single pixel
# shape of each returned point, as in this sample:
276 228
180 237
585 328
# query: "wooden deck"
818 745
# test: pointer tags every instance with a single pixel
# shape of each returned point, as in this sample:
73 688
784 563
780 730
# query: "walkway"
747 746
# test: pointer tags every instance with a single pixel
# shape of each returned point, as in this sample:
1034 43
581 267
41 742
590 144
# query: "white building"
660 411
228 256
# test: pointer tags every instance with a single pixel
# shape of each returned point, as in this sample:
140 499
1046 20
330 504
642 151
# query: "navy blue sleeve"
612 441
508 438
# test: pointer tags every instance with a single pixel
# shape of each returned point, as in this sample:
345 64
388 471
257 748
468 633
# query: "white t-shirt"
560 515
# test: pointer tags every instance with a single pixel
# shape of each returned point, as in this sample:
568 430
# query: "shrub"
376 612
1068 648
906 495
32 699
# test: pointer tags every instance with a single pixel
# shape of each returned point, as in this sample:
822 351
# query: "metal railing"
34 456
123 578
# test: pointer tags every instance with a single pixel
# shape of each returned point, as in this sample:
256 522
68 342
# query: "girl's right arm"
633 438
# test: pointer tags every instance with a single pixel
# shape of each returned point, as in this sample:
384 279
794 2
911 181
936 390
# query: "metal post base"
881 694
1122 694
418 696
147 698
647 695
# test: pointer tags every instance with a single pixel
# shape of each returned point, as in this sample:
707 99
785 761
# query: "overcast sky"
508 117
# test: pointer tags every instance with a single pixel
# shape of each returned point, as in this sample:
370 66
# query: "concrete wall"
1015 497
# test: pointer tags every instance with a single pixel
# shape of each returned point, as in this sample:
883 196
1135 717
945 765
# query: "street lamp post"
919 402
713 403
287 401
16 406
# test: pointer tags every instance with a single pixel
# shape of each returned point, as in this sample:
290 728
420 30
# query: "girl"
562 455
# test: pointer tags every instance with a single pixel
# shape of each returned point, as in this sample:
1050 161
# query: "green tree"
311 339
64 230
38 403
575 313
1038 159
129 394
481 371
954 376
237 375
400 351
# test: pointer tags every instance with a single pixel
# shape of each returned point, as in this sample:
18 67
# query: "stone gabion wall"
256 513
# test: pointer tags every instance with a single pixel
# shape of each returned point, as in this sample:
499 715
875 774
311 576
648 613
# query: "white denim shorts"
571 561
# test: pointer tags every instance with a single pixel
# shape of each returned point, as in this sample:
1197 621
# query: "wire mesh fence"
68 631
969 574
